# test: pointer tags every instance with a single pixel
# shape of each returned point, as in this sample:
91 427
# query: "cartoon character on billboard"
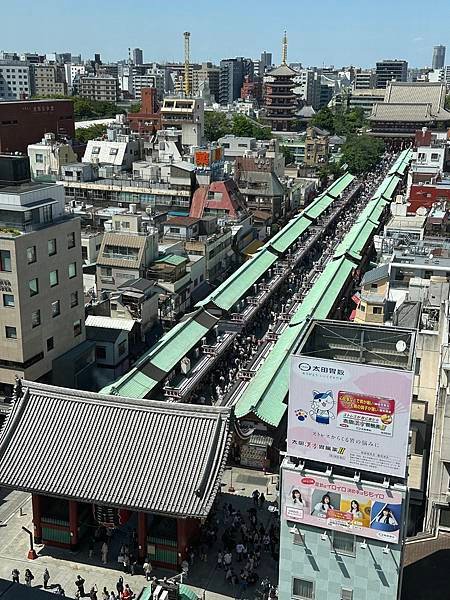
321 406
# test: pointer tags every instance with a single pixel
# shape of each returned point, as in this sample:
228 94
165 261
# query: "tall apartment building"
14 80
99 87
72 70
438 57
207 72
48 80
42 307
149 80
138 56
265 62
364 80
231 78
388 70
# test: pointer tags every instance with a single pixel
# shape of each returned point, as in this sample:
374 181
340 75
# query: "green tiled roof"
355 240
391 187
340 185
289 234
163 356
318 206
172 259
236 286
267 391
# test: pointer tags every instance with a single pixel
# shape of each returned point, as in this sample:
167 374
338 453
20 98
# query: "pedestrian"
91 547
126 563
133 565
203 553
219 560
105 594
227 558
127 593
93 593
119 585
262 500
239 551
112 596
185 567
28 577
229 575
148 569
79 582
104 553
46 577
15 573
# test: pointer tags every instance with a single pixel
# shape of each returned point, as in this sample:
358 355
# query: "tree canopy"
84 108
84 134
340 121
217 125
361 153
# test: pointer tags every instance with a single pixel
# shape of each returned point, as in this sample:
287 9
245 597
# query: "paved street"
64 566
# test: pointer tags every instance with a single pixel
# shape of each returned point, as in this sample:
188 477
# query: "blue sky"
339 32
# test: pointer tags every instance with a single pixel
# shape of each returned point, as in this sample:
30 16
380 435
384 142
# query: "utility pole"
187 84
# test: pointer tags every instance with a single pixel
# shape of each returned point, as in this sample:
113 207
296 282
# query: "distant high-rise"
138 56
231 78
265 62
438 57
391 70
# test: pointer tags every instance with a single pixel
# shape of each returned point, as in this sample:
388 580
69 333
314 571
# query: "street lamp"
31 552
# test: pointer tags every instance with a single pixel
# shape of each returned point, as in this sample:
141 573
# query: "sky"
323 32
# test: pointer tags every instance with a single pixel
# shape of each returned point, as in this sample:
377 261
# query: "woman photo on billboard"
386 517
295 499
355 510
321 508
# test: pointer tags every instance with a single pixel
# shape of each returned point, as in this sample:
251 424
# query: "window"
417 366
106 271
71 240
373 286
50 344
72 270
122 347
377 310
113 151
5 260
346 594
51 245
8 300
31 254
100 352
362 307
77 328
434 156
35 318
53 278
302 588
39 158
73 299
343 543
56 308
47 213
11 332
33 286
96 150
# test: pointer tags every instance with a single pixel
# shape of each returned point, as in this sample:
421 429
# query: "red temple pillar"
73 523
36 502
142 534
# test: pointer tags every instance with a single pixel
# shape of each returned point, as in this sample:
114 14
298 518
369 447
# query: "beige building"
48 80
127 250
41 304
99 87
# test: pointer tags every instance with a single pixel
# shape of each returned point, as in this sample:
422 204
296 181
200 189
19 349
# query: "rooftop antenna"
284 52
187 86
129 56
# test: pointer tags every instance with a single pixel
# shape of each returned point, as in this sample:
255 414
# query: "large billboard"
349 414
355 509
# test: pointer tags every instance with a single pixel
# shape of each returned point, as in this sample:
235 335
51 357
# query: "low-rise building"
120 153
186 114
48 157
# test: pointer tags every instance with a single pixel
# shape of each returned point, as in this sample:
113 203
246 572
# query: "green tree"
84 108
242 126
361 153
135 108
288 155
216 125
324 119
84 134
447 102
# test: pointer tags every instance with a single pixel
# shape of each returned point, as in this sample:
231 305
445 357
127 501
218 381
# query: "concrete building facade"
15 81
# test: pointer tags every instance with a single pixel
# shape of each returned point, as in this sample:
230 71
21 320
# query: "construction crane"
187 85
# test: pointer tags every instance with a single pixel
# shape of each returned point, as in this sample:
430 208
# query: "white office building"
14 80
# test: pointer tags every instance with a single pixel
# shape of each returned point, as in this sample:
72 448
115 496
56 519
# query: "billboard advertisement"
349 414
351 508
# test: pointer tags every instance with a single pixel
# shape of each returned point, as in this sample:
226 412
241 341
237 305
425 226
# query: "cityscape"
225 309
